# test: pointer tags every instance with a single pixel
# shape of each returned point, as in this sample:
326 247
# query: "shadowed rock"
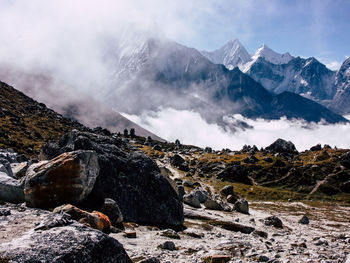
127 176
68 178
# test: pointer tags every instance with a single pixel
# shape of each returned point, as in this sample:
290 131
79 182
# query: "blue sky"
319 28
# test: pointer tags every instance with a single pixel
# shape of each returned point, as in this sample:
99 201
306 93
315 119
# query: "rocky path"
325 239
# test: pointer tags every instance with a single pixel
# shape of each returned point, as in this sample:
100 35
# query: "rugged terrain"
162 201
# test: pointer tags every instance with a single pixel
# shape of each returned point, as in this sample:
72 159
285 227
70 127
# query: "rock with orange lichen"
68 178
95 219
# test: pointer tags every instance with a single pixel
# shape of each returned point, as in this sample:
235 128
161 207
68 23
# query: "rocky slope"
75 104
342 82
26 124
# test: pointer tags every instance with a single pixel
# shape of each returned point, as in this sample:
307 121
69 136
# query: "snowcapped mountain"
283 72
168 74
307 77
341 100
271 56
232 54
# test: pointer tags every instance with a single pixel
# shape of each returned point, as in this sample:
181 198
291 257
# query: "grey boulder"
242 206
11 190
191 200
55 239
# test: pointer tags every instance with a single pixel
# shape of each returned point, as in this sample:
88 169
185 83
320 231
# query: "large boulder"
11 190
34 235
127 176
282 146
68 178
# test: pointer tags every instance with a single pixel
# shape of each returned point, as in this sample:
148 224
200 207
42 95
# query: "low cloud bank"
190 128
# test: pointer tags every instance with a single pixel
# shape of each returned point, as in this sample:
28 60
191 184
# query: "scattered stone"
201 194
95 219
208 150
179 162
304 220
181 191
54 220
150 260
112 210
191 200
5 212
170 234
130 234
232 199
317 147
345 160
268 159
219 259
213 205
242 206
188 183
157 147
227 190
260 233
263 259
68 178
250 160
273 221
235 172
168 245
11 190
19 169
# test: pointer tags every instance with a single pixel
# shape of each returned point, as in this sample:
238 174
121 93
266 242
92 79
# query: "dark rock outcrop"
282 146
127 176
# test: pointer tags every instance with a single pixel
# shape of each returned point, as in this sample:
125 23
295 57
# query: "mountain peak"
271 56
232 54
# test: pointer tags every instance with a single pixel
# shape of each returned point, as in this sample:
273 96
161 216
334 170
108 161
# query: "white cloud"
333 65
190 128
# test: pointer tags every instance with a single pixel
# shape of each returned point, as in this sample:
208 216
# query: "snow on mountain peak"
232 54
271 56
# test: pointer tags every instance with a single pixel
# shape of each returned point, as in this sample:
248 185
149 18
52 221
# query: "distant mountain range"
162 73
282 72
151 73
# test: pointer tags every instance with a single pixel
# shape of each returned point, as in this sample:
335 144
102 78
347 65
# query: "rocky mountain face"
232 54
283 72
340 102
307 77
172 75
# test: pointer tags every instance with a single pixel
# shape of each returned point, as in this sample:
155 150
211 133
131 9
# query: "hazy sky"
319 28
